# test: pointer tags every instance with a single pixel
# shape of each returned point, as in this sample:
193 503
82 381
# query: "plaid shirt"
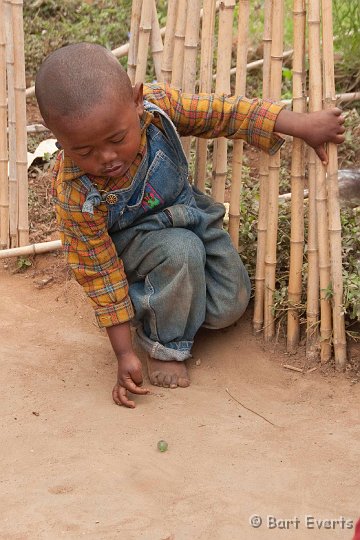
88 247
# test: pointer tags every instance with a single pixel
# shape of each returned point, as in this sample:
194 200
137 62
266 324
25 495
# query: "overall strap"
169 129
93 197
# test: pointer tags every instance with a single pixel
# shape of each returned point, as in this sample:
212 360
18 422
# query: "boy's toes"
169 374
154 378
167 381
174 381
183 383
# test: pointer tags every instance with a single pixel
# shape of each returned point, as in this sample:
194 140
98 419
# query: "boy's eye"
117 141
84 154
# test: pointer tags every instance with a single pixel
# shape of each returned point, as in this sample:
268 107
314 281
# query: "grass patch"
49 24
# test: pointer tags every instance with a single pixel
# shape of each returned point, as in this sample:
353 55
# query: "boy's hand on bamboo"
315 128
129 378
322 127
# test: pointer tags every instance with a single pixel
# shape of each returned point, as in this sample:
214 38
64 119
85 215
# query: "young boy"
140 240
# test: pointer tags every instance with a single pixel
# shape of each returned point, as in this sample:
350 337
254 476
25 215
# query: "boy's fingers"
115 395
137 377
322 155
120 397
132 387
124 399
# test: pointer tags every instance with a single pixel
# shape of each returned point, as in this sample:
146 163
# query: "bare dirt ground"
75 465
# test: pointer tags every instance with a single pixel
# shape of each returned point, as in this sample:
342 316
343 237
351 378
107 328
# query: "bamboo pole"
258 63
36 128
312 293
167 60
240 90
339 336
321 197
226 14
134 39
123 50
313 285
346 97
313 288
156 42
32 249
20 111
205 84
179 40
191 44
297 182
4 181
144 38
258 317
274 169
13 186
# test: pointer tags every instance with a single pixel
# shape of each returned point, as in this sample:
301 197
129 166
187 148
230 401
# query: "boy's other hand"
129 379
315 128
323 127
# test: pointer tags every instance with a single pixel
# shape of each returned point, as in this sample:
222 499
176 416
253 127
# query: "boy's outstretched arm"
129 376
315 128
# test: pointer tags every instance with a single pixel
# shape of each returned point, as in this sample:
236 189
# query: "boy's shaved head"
73 79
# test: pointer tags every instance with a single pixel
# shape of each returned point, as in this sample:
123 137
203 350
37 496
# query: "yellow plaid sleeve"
91 254
210 115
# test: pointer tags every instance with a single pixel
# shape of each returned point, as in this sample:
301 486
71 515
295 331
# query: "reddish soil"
75 465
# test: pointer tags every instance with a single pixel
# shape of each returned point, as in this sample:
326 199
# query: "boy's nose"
107 156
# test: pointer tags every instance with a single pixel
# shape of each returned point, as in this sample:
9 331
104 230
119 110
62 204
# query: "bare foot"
167 374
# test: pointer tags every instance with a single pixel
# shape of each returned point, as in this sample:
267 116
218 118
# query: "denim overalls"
182 269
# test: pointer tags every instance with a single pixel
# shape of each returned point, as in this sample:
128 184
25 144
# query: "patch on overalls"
151 198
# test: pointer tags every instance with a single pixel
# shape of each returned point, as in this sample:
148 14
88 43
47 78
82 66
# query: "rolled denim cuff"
179 350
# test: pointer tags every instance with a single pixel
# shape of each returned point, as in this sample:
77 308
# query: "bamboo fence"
274 171
339 337
240 90
205 84
156 42
313 286
183 53
297 181
10 76
168 53
14 226
315 90
4 180
143 40
134 39
222 86
179 44
22 235
258 318
191 43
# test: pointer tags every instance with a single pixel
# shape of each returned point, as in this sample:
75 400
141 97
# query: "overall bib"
182 269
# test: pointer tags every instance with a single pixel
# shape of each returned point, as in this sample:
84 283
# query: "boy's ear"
139 98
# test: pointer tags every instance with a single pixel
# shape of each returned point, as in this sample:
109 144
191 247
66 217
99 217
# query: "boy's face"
106 141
